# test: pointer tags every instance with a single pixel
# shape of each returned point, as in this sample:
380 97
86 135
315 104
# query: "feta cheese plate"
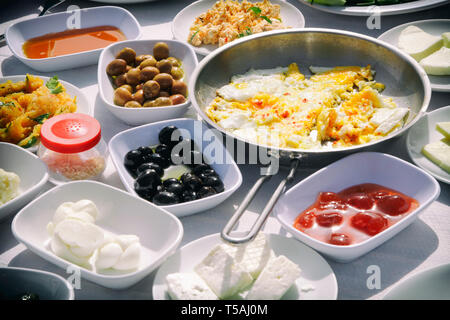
435 27
423 133
317 280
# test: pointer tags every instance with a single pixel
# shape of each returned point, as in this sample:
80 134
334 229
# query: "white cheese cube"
276 278
222 274
439 153
252 256
437 63
188 286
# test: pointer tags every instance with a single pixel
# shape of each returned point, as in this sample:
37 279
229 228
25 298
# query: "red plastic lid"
70 133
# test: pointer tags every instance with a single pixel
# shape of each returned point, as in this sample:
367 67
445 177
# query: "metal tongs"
225 234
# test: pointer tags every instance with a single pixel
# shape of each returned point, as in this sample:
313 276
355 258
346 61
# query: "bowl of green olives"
144 81
169 164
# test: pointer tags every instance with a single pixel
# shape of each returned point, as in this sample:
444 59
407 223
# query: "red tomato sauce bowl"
352 206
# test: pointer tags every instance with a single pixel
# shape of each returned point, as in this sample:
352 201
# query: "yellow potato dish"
25 105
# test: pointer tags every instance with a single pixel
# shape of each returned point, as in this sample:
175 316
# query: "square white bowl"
159 232
19 32
147 135
140 116
364 167
31 171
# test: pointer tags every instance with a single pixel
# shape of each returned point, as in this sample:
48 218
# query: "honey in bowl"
71 41
355 214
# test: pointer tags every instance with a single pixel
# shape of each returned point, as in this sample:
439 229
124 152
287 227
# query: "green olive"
149 104
148 73
121 96
164 66
177 73
151 89
174 61
138 96
132 104
162 102
161 51
133 76
179 87
116 67
165 80
149 62
177 99
127 54
127 87
120 80
141 58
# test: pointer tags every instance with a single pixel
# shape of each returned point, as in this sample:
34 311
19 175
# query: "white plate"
182 22
382 10
140 116
435 27
21 31
430 284
316 272
147 135
31 171
424 132
83 104
358 168
159 232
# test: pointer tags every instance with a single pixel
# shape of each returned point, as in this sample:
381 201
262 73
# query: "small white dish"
430 284
182 22
15 282
317 280
385 10
147 135
31 171
433 26
159 232
424 132
83 104
364 167
140 116
19 32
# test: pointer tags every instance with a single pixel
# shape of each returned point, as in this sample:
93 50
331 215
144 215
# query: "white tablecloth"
424 244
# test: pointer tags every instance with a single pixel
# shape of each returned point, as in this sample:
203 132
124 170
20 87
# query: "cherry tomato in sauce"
369 222
361 201
393 205
329 219
305 220
340 239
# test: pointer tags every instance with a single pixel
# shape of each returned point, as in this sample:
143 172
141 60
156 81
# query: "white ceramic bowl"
424 132
15 282
159 232
147 135
22 31
31 171
364 167
139 116
291 16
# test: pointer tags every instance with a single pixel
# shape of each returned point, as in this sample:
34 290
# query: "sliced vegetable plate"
83 105
434 27
317 280
424 132
365 7
182 22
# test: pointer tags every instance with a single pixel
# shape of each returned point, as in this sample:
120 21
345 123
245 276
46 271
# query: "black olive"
145 151
170 181
164 198
133 159
215 182
200 168
176 188
188 195
167 133
205 191
147 182
163 150
160 160
150 165
191 181
210 172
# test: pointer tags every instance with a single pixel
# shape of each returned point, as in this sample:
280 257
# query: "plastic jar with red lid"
72 147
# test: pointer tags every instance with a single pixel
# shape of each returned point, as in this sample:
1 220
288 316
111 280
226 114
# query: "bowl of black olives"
165 163
144 81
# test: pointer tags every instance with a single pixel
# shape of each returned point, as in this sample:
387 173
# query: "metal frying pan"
405 81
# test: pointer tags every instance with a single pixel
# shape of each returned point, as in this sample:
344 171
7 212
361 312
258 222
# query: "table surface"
424 244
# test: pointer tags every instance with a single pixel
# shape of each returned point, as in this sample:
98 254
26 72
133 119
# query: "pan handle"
225 234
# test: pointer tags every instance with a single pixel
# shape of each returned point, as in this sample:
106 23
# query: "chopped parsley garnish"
30 143
7 104
248 32
193 36
40 119
54 85
257 11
